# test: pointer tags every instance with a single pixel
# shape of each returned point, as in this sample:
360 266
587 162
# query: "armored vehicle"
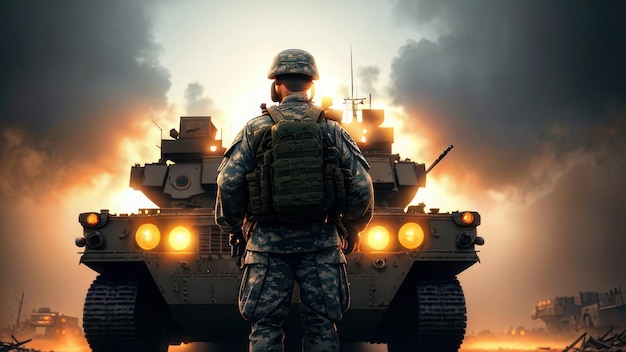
45 322
166 275
589 311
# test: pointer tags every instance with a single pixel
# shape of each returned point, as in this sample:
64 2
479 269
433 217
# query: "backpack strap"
275 114
314 112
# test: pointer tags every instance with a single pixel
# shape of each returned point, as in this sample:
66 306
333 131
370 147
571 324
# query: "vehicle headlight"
411 235
94 220
466 218
179 238
148 236
378 237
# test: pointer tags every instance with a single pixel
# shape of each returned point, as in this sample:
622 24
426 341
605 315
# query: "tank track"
109 314
441 315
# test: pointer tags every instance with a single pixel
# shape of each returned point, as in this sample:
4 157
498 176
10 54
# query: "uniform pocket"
252 282
331 270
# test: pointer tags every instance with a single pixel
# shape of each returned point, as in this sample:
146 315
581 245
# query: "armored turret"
186 174
396 181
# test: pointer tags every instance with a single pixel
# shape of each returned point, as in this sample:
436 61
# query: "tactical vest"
297 178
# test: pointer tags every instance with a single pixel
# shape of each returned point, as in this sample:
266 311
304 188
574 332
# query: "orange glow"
378 238
411 235
69 343
148 236
519 342
179 238
467 217
129 201
93 219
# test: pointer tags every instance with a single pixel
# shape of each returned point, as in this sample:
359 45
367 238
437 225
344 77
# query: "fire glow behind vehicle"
166 275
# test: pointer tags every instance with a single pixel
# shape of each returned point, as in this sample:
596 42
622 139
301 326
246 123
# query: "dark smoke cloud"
533 94
368 76
508 78
77 79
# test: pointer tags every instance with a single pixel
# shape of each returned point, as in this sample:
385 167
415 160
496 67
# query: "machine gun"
445 152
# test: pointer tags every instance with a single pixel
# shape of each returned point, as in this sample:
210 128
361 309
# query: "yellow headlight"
378 237
179 238
148 236
411 235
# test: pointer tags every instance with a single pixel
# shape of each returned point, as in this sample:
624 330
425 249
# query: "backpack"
297 178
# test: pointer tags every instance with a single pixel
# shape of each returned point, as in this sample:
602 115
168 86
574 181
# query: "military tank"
166 275
590 311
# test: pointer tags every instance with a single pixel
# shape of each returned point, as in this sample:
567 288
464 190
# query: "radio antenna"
161 130
352 99
351 76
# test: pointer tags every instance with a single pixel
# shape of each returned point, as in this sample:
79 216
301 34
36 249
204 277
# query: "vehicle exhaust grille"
212 241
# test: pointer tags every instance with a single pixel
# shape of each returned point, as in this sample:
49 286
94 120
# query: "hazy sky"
531 94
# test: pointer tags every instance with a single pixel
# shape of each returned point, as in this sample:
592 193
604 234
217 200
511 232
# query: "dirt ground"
471 344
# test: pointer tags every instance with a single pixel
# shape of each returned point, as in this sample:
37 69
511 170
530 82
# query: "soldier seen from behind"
294 190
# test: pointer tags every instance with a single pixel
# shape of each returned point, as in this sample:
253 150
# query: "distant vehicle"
166 275
44 322
587 311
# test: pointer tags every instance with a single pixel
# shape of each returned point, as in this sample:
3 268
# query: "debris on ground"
609 342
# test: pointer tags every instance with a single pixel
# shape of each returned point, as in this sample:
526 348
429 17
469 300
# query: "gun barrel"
445 152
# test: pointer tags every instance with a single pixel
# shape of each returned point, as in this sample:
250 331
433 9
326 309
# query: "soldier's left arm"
231 202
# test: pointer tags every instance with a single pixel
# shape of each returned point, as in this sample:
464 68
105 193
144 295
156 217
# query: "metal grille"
212 241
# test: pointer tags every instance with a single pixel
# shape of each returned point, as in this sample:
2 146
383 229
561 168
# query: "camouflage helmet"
293 61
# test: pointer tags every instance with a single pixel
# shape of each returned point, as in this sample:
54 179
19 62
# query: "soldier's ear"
311 91
274 92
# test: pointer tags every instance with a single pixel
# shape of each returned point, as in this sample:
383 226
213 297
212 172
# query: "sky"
531 94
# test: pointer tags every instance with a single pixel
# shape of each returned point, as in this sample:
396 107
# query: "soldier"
278 254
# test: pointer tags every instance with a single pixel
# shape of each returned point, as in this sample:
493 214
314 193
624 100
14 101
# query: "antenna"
352 99
351 76
161 130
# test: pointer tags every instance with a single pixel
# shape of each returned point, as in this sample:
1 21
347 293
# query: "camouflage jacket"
238 160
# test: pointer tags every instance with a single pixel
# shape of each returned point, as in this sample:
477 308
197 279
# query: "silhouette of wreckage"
16 345
609 342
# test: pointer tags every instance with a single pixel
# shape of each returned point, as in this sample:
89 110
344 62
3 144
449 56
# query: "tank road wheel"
118 317
438 319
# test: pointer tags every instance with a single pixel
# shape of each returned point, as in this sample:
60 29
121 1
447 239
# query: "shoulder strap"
275 114
315 112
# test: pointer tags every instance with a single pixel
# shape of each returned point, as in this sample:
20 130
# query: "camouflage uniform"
278 255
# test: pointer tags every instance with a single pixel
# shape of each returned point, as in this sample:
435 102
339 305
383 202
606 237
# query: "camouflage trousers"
266 290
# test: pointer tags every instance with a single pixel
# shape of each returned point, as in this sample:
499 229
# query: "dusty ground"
471 344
